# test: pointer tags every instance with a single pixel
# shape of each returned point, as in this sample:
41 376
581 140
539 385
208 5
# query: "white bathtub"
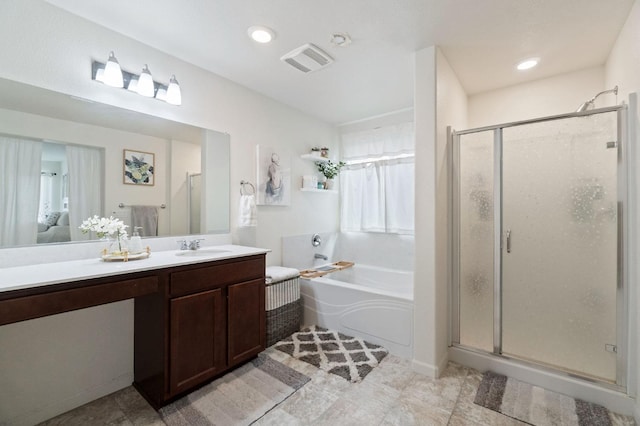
373 303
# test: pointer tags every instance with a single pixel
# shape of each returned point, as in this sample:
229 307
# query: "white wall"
623 69
623 65
540 98
426 357
47 47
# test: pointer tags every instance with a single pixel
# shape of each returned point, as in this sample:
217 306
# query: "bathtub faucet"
320 256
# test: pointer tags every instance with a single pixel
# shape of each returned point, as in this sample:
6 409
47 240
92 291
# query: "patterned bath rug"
348 357
535 405
238 398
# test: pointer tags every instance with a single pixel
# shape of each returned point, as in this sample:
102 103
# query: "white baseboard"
55 408
428 370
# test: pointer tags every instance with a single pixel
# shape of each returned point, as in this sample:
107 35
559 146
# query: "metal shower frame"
622 293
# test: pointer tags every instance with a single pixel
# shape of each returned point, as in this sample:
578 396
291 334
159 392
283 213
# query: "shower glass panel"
475 267
560 243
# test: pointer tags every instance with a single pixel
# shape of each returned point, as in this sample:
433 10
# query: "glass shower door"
560 243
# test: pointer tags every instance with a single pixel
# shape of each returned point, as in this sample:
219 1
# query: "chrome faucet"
194 244
320 256
190 245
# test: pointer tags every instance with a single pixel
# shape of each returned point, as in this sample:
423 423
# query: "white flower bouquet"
106 227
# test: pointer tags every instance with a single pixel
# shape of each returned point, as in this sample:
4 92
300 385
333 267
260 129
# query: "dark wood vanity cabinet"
197 339
207 319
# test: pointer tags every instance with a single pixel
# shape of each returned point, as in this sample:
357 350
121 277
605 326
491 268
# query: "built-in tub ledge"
326 269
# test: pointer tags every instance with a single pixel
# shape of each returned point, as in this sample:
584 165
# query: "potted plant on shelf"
329 170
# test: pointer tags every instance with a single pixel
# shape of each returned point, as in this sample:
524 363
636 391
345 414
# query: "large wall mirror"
65 159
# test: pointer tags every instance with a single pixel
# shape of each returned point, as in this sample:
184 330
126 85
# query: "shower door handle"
508 240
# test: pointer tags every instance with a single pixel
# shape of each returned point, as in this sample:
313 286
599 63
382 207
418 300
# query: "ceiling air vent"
307 58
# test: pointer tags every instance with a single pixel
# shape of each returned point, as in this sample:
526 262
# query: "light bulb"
112 72
261 34
527 64
146 86
174 95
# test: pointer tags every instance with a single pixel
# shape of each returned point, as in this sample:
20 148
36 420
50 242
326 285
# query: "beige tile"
103 411
136 408
441 393
310 402
408 413
278 417
362 404
393 371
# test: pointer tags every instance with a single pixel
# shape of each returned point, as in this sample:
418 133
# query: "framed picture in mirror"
138 167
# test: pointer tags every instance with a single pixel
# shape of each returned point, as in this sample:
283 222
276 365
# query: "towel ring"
243 189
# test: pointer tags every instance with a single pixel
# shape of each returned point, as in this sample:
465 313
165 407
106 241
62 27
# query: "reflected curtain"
20 162
85 186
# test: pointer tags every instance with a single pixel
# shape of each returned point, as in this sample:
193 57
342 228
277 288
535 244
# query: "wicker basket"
284 309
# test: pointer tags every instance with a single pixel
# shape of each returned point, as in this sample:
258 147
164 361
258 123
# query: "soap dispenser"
135 244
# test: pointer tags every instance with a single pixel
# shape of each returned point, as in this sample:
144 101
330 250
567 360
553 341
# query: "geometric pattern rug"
345 356
535 405
238 398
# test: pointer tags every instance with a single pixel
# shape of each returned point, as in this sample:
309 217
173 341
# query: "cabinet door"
198 339
246 320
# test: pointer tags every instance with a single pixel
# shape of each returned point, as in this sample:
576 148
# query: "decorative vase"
329 184
116 245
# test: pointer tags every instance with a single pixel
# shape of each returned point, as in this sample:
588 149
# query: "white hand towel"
280 273
248 214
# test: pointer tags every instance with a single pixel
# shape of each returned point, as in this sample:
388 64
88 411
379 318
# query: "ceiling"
482 40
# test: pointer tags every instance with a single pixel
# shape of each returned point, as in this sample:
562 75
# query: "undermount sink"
202 252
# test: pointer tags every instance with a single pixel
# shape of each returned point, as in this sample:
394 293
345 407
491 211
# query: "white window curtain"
20 162
85 186
46 197
377 185
386 141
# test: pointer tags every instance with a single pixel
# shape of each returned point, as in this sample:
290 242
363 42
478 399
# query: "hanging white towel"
248 214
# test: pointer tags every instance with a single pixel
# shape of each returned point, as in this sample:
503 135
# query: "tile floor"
392 394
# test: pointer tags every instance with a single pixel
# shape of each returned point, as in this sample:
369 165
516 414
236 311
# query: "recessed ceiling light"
340 39
261 34
528 64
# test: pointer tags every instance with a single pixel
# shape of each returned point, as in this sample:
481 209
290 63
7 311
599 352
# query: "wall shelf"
311 157
331 191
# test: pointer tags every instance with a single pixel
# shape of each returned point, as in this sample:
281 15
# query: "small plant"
103 227
329 169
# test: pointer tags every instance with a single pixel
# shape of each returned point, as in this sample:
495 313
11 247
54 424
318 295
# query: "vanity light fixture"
261 34
142 84
174 96
112 75
527 64
145 83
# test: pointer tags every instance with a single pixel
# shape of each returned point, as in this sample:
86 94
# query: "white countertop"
30 276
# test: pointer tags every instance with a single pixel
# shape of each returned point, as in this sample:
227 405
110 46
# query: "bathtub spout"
320 256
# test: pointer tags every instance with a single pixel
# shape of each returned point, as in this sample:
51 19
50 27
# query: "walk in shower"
538 254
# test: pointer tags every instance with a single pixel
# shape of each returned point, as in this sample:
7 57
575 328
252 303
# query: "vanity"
198 314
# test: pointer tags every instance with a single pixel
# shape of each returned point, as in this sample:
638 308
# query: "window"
377 184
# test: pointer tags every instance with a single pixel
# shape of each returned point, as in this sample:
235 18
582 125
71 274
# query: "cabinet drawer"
40 305
216 276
